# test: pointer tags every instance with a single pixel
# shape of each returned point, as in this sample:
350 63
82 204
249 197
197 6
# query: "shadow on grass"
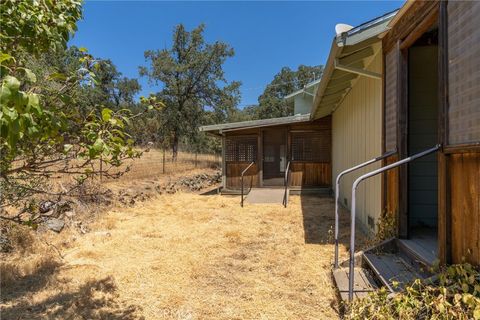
95 299
319 221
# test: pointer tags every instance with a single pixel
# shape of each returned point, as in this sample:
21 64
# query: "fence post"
163 162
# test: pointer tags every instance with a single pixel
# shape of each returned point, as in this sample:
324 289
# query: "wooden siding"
464 72
465 207
357 137
233 175
391 78
418 12
308 174
303 174
391 186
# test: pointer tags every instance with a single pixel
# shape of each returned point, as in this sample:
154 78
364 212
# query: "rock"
49 213
55 224
61 207
5 245
46 206
69 213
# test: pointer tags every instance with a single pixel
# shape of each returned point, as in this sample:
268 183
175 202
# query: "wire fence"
159 162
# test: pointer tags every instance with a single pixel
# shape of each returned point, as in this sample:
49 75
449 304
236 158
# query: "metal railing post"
241 180
353 211
285 181
337 194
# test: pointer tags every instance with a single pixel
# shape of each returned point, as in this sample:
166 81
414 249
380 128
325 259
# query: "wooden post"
101 169
260 157
224 169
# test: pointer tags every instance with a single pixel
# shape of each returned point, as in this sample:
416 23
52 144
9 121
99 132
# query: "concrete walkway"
265 195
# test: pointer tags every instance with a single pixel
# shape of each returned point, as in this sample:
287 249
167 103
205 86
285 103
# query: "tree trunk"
175 147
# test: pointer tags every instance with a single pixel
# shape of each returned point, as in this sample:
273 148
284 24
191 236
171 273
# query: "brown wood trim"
260 157
420 29
383 183
306 161
224 170
444 207
444 210
462 148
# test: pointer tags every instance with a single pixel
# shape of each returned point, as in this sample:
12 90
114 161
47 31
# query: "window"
241 149
311 146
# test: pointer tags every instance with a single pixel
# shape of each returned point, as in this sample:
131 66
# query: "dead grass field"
182 256
151 164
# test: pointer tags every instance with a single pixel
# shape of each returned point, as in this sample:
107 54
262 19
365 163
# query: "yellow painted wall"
357 137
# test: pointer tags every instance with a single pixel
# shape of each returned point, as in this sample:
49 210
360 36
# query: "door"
274 156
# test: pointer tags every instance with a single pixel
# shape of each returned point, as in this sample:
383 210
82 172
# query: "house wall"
459 123
463 131
356 138
302 173
302 104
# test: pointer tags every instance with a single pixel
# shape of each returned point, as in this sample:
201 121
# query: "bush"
456 295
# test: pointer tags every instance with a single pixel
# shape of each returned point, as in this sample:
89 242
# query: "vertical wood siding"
391 185
465 207
306 173
357 137
234 171
464 71
391 78
309 174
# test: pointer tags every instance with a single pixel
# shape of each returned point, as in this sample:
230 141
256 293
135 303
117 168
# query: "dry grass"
151 164
185 256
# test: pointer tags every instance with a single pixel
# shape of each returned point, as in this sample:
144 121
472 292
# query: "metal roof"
218 129
351 52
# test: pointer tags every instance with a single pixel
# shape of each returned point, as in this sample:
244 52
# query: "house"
407 82
400 93
266 148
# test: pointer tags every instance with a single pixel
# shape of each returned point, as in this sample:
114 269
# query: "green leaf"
34 102
5 57
57 76
82 49
5 94
98 145
31 77
476 313
10 113
106 114
11 83
67 148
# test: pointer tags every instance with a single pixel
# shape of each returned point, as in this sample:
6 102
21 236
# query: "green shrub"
456 295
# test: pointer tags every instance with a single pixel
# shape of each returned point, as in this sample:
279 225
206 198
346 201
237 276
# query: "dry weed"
186 256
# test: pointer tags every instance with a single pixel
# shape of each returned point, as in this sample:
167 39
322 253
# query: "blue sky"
265 35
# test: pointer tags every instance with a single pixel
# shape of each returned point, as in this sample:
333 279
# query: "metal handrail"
241 177
353 211
337 193
285 181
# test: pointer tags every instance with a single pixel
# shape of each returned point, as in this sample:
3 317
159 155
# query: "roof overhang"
350 53
219 129
401 13
308 90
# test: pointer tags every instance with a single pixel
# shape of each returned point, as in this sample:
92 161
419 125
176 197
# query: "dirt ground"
182 256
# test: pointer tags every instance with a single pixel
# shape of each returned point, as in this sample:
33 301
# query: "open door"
274 156
421 176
